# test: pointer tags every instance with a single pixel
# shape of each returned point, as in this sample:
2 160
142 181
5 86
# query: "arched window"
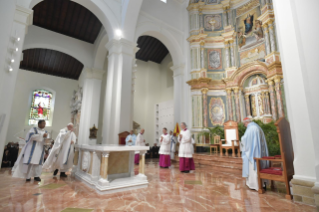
40 106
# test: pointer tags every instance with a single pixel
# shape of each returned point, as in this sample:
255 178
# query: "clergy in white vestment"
165 149
173 144
253 145
139 142
30 160
186 150
62 153
130 139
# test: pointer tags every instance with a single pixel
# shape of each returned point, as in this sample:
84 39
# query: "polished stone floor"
168 190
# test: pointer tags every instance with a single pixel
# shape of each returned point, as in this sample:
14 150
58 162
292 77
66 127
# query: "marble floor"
168 190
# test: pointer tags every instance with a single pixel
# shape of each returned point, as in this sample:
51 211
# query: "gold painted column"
104 168
142 164
238 115
205 114
267 102
247 103
272 99
76 157
229 102
227 54
278 95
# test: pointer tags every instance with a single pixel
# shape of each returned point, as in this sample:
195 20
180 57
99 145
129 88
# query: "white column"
298 47
90 104
272 36
266 34
178 92
232 53
14 23
118 96
227 54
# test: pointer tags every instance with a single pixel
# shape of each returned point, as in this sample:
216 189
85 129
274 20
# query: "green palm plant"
211 132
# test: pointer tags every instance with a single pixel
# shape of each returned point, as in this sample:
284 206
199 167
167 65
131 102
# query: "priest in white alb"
130 139
186 150
139 142
30 160
62 153
253 145
165 149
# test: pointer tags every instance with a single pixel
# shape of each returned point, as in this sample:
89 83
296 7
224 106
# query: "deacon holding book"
62 153
253 145
165 150
29 163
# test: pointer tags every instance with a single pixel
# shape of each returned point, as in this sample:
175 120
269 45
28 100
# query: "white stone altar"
109 168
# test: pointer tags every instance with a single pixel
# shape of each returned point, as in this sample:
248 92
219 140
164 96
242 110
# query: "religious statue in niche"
248 24
217 111
93 132
214 59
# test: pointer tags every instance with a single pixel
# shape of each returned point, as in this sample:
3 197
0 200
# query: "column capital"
105 154
122 46
93 73
236 90
270 82
23 16
277 79
204 90
228 90
178 69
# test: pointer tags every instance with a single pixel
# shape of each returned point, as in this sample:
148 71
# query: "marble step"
222 168
216 158
218 163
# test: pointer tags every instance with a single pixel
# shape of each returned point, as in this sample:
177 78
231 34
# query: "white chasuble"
165 148
62 153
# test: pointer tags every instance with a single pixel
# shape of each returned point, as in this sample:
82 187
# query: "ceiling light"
10 68
16 49
118 33
12 60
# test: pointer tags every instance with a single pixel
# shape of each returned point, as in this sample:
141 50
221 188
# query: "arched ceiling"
68 18
151 49
51 62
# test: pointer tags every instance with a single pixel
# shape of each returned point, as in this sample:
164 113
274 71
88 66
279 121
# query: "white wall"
152 85
27 82
38 37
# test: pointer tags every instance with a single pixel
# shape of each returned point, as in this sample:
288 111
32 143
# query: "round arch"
165 37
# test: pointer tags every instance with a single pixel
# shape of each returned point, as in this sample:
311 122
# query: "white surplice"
165 148
62 153
186 148
139 142
173 146
30 160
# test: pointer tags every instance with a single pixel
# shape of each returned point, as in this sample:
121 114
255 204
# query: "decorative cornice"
200 83
23 16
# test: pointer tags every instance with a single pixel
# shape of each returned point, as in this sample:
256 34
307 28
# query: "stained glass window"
40 106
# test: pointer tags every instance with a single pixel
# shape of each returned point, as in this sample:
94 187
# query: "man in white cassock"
165 150
62 153
139 142
173 144
130 139
186 150
253 145
30 160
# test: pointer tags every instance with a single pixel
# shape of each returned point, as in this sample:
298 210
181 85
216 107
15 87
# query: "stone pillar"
142 164
266 36
229 103
230 16
238 115
75 161
117 116
90 103
14 24
227 53
202 55
272 99
280 106
267 102
272 36
103 169
178 91
247 103
201 20
205 112
232 53
225 16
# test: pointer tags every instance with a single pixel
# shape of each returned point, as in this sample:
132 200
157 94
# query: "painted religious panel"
249 29
215 19
252 55
217 110
214 59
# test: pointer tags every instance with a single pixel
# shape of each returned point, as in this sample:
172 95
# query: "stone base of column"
74 168
103 182
315 190
272 57
303 192
230 71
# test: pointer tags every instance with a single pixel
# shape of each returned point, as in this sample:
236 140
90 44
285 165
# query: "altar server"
29 163
165 150
130 139
173 144
62 153
139 142
253 145
186 150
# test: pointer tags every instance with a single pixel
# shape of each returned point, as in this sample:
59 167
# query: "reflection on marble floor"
167 191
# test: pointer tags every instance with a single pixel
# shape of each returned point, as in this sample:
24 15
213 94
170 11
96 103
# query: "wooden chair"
122 137
231 138
286 171
215 145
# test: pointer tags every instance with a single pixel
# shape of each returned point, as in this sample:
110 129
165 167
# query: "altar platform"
109 168
216 162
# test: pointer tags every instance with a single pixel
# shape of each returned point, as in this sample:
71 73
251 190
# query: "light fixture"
16 49
12 60
118 33
10 68
18 39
